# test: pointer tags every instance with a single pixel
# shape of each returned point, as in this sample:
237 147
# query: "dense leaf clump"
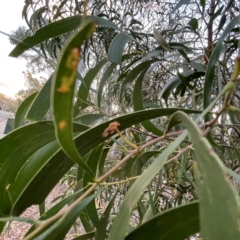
144 127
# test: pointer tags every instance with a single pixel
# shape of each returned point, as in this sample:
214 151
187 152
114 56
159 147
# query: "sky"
11 77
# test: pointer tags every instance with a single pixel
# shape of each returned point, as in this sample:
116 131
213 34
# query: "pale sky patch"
11 77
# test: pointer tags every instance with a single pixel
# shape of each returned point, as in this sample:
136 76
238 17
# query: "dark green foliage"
134 137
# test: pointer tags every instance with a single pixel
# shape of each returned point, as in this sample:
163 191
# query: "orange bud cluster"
112 128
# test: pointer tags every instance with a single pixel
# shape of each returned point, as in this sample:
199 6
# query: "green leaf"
32 141
134 73
169 86
102 159
63 87
154 53
86 222
104 79
88 118
56 208
69 219
138 104
92 162
193 23
180 46
147 155
125 170
216 14
180 3
108 73
59 229
25 140
2 225
197 66
161 40
177 223
83 91
85 236
184 55
25 175
137 189
19 219
203 3
117 46
212 62
103 224
175 81
41 103
52 169
232 173
213 201
222 22
55 29
142 182
22 110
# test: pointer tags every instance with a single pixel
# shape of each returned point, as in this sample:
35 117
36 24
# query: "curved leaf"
136 190
83 91
88 118
69 219
213 201
134 73
108 73
117 46
138 104
105 77
52 170
63 87
56 208
177 223
85 236
92 162
41 103
22 110
193 23
176 80
212 62
55 29
29 140
180 3
102 226
147 155
59 229
161 40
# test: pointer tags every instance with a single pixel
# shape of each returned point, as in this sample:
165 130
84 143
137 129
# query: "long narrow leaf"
41 103
209 77
83 91
116 49
55 29
52 170
142 182
63 87
138 104
218 214
23 109
177 223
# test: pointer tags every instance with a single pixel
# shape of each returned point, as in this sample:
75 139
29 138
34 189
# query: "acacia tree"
151 131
